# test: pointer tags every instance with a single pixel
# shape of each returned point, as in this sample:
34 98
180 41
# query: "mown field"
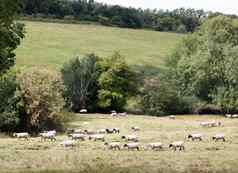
51 44
199 157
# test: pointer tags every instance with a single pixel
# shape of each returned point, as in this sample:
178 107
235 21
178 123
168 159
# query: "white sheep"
83 111
89 132
178 144
50 136
113 145
102 131
110 131
172 117
133 138
116 130
195 136
124 114
68 143
114 114
98 137
218 137
24 135
135 128
80 131
155 146
77 136
132 146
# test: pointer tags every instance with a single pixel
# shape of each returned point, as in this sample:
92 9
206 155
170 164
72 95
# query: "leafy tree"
9 117
205 63
40 91
80 78
11 33
117 82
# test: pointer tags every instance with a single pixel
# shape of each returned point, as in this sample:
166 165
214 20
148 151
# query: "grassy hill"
51 44
206 156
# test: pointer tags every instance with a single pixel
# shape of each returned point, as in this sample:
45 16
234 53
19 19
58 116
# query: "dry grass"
204 157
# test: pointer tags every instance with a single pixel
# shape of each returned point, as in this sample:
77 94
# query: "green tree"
117 83
80 77
11 33
205 63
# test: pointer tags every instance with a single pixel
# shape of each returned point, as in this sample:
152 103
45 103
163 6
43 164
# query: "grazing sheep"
172 117
53 132
68 143
179 145
155 146
113 145
132 146
102 131
212 123
97 137
83 111
124 114
79 131
24 135
195 136
114 114
77 136
116 130
89 132
49 136
135 128
133 138
110 131
228 115
218 137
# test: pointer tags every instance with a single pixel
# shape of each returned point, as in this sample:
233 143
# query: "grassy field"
51 44
199 157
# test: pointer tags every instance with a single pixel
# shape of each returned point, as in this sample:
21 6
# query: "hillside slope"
50 44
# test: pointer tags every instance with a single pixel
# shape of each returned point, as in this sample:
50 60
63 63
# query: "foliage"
9 117
181 20
40 91
11 33
205 63
160 97
117 82
80 78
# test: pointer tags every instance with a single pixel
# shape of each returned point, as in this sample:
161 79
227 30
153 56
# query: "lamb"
25 135
155 146
97 137
50 136
77 136
195 136
68 143
135 128
133 138
113 145
218 137
178 144
132 146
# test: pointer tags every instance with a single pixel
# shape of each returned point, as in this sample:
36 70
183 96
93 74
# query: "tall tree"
11 33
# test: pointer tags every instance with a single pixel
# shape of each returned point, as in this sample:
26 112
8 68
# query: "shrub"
41 98
159 97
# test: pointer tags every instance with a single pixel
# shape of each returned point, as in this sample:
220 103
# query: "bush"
9 117
159 97
40 91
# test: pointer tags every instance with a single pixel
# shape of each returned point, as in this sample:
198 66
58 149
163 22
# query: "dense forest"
179 20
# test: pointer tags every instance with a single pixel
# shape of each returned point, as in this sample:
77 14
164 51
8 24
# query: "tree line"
179 20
